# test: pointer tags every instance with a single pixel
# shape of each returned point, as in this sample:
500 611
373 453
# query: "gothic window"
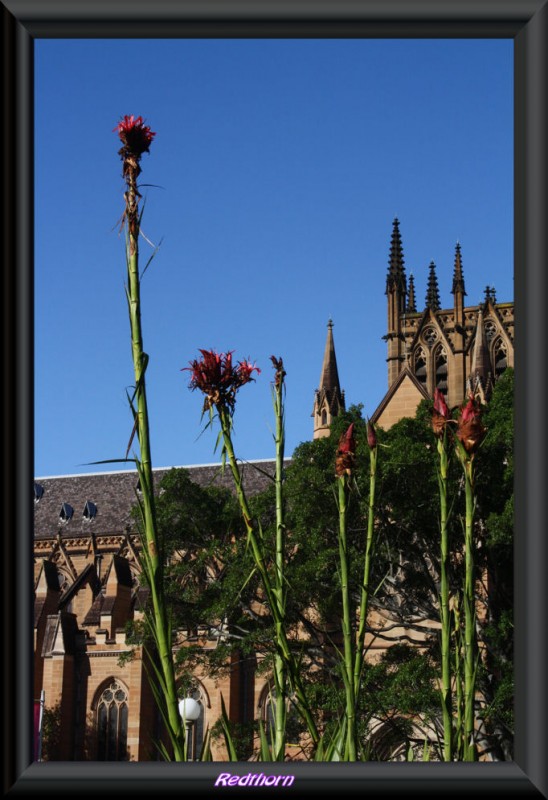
294 725
324 417
441 369
112 715
430 336
420 366
500 357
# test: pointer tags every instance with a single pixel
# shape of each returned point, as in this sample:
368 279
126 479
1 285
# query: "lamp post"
190 710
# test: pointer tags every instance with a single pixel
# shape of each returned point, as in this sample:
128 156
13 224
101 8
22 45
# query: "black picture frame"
524 21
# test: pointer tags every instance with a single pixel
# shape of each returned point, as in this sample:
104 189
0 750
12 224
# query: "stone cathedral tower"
455 350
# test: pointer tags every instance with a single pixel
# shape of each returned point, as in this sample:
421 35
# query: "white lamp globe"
189 709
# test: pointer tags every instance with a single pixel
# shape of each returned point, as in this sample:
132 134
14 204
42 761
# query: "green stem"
469 619
279 666
445 614
152 558
282 643
348 666
364 602
459 736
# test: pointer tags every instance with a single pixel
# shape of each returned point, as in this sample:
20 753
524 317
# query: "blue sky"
277 170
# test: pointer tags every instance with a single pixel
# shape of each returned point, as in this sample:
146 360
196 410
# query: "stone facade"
455 350
86 589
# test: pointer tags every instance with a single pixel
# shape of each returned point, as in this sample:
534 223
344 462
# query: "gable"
400 401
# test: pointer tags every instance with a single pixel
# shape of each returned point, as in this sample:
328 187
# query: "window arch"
420 370
294 725
500 357
111 715
324 417
440 365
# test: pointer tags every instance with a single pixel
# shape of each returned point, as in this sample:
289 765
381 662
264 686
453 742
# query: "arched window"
324 417
111 716
294 726
441 370
420 366
500 358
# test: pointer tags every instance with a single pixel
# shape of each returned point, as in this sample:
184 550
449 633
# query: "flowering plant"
136 138
219 379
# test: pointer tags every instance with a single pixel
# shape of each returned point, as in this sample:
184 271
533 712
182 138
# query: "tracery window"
112 716
420 366
430 336
490 330
441 369
294 726
500 357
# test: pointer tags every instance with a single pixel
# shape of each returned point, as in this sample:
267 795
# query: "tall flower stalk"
343 467
136 138
280 676
470 434
364 600
440 418
219 380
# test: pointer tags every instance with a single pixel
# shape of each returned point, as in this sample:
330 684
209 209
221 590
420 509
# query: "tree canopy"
212 585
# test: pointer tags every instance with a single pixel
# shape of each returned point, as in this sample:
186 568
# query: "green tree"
212 586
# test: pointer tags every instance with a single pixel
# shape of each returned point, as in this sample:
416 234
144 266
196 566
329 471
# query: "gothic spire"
329 399
458 278
396 269
411 302
432 293
329 379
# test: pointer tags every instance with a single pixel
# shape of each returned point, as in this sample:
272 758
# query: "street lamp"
190 710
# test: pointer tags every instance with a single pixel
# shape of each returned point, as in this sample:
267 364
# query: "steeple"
458 279
411 302
396 292
329 400
396 269
432 292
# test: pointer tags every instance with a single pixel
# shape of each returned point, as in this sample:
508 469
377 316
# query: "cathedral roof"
115 493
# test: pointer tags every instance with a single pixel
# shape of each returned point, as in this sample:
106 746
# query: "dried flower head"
280 371
218 378
470 430
346 452
371 436
440 414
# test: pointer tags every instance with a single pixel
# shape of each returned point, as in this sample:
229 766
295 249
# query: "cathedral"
457 350
86 566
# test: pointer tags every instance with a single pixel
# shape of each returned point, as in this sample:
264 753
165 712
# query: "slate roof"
114 495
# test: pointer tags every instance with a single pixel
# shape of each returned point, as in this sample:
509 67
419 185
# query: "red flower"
440 414
346 451
243 372
218 378
470 430
134 135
